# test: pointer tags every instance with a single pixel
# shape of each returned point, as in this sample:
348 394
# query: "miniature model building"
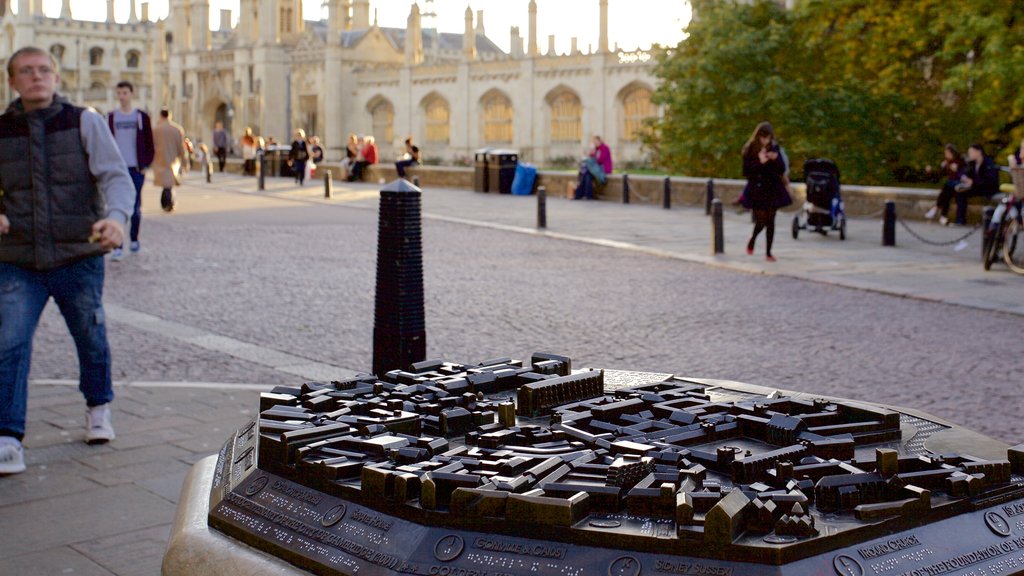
507 467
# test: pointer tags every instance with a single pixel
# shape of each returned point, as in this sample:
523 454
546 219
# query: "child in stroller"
823 209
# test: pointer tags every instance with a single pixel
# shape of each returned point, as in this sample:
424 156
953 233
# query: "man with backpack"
134 136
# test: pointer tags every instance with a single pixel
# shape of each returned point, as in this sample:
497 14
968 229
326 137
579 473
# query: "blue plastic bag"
522 183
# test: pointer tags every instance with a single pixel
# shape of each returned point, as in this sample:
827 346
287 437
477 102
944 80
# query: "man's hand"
5 224
110 233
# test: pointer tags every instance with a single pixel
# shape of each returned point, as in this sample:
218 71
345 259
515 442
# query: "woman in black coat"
298 156
765 192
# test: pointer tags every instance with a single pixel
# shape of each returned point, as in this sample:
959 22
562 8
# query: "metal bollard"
328 185
625 188
889 224
260 176
709 197
666 195
416 181
542 207
717 229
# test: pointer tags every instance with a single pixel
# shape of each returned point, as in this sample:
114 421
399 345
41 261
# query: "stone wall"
911 203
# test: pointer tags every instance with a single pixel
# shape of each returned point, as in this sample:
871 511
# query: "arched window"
58 52
497 119
637 107
566 118
383 113
437 115
96 56
132 59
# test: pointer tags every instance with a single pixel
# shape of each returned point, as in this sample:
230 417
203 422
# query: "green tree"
877 85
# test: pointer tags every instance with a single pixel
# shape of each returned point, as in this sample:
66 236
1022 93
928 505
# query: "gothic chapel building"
276 72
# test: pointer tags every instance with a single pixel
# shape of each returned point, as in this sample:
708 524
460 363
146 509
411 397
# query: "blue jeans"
78 291
138 178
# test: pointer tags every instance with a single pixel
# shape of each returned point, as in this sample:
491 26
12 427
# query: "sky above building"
632 23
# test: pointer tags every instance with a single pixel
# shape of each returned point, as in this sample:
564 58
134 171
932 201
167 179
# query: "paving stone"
138 472
43 481
59 560
120 458
81 517
136 553
167 485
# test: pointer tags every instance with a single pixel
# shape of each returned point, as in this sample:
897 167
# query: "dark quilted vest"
49 194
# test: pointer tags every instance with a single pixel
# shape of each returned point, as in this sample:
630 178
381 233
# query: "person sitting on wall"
981 178
410 158
369 158
351 155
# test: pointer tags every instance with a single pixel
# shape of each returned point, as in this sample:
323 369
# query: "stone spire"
602 43
200 20
480 23
531 47
469 37
110 11
334 21
65 10
133 17
414 37
360 14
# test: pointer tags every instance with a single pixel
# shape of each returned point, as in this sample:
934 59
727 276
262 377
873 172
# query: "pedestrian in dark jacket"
66 198
765 193
981 178
298 155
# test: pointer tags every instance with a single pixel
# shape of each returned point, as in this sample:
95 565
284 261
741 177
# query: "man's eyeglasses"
29 71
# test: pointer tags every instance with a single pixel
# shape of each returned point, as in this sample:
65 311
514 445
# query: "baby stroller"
823 209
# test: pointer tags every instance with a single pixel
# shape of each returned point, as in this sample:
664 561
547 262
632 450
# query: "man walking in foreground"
134 136
65 196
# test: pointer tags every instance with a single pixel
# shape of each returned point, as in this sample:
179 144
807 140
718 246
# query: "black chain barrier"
952 242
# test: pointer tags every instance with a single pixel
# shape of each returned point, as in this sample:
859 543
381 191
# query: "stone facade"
276 72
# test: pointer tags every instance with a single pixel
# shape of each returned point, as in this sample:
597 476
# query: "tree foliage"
877 85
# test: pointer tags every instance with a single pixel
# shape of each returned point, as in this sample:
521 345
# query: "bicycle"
1004 237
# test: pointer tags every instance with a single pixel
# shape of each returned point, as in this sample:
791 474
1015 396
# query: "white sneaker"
135 246
98 429
117 255
943 220
931 213
12 456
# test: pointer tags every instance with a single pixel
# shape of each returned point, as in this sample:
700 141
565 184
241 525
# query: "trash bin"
501 167
480 170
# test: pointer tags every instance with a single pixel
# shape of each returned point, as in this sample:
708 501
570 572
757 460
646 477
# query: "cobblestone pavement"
230 281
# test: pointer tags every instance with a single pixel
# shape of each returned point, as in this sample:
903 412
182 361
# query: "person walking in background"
248 144
980 178
57 219
368 153
952 170
765 191
298 155
220 145
133 133
411 157
351 154
169 141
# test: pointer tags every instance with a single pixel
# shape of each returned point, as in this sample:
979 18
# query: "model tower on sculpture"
399 327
